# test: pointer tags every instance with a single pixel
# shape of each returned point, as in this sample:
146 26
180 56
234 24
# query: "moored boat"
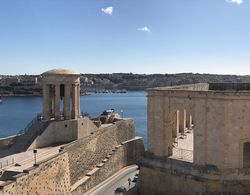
1 99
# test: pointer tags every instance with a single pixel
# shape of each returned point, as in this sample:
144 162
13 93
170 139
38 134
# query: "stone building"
198 140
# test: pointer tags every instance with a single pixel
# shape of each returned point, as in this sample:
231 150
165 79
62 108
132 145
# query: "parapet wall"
168 176
50 177
191 87
64 131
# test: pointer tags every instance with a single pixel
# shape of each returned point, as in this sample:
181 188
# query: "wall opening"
62 95
181 124
246 155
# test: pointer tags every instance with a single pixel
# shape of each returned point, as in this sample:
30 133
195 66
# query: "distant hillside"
30 84
131 81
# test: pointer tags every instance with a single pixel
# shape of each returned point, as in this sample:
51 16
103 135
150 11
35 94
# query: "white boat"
1 99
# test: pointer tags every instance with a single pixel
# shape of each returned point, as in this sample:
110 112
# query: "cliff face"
30 84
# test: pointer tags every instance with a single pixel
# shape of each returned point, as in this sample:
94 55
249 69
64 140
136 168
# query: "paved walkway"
183 149
26 159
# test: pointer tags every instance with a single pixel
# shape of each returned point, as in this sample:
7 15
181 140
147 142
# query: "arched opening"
246 155
180 121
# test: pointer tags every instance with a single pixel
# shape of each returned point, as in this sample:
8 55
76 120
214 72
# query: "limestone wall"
195 87
161 176
86 153
50 177
56 132
64 131
97 156
126 154
85 127
221 124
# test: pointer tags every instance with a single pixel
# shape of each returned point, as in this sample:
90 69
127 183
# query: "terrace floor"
183 147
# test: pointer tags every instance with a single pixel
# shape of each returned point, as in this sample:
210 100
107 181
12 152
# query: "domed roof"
60 71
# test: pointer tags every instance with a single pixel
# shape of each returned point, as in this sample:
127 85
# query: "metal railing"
182 154
7 163
34 120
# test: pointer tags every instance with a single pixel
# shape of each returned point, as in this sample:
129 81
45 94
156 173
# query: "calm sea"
17 112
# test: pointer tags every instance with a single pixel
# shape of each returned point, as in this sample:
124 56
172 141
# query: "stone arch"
176 126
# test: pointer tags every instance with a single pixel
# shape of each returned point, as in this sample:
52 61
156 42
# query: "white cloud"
145 29
235 1
107 10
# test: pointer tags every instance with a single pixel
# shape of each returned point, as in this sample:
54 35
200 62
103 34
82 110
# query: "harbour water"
17 112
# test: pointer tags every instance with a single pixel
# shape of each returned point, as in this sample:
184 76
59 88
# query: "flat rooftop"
219 87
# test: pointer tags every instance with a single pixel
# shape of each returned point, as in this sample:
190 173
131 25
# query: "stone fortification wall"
105 149
126 154
169 176
49 177
64 131
86 153
85 127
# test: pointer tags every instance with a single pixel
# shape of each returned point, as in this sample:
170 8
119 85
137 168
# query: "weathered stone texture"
64 131
50 177
168 176
58 175
86 153
124 155
220 118
220 114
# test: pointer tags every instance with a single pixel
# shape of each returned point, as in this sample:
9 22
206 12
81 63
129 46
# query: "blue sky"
139 36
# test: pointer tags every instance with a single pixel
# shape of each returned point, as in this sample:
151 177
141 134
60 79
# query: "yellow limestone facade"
200 132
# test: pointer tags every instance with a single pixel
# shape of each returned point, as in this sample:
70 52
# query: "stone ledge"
100 165
80 182
92 172
105 160
109 166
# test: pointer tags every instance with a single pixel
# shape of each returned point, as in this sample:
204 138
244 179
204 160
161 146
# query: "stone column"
66 102
182 120
74 101
78 101
176 124
191 121
188 123
185 119
46 101
57 102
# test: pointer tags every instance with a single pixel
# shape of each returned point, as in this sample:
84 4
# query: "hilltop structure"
72 153
198 140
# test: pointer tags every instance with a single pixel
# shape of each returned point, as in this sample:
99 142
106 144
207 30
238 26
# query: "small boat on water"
1 99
